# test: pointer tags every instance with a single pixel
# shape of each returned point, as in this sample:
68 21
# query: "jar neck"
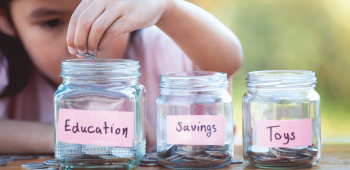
99 81
100 72
193 81
281 80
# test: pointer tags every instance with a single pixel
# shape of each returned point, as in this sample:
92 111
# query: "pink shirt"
157 54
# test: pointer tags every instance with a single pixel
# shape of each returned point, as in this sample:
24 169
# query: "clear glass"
194 93
101 85
280 95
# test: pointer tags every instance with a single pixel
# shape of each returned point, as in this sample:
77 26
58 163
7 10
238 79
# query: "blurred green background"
294 35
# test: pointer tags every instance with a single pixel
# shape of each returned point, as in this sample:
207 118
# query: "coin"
53 164
31 164
50 161
195 155
148 162
6 160
36 167
235 161
301 148
2 163
151 155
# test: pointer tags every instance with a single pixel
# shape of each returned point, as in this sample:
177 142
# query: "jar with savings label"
194 120
100 114
281 119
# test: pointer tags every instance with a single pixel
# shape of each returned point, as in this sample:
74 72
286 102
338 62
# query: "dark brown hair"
19 64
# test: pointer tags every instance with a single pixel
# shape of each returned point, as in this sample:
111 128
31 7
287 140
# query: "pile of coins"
150 159
10 158
281 156
51 164
196 155
48 165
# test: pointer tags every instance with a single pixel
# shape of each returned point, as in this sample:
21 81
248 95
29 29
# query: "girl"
171 36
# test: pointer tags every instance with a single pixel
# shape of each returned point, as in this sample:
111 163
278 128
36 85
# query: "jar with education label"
194 120
281 119
100 114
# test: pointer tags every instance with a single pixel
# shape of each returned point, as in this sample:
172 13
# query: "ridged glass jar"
281 119
194 120
100 113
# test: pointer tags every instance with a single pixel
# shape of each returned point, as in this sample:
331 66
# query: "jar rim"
104 61
281 79
281 72
199 80
193 74
85 68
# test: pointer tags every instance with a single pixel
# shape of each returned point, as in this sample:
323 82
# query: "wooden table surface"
333 157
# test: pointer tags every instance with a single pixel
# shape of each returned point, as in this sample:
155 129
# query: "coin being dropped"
236 161
87 55
3 163
31 164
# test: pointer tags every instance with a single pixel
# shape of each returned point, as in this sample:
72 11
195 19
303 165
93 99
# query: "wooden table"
333 157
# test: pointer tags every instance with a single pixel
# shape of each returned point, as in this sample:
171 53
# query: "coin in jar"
148 162
236 161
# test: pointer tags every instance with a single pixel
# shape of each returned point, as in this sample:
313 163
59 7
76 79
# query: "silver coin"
36 167
6 160
148 162
270 158
311 150
301 148
2 163
52 168
87 55
254 150
283 153
235 161
308 154
300 159
50 161
215 153
31 164
151 156
53 164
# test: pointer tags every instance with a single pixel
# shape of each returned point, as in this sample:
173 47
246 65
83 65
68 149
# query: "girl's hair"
19 64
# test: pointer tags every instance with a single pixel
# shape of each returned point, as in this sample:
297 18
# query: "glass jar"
100 114
281 119
194 120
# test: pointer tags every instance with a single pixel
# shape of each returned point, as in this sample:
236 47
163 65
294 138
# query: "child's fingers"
117 28
85 21
72 25
99 27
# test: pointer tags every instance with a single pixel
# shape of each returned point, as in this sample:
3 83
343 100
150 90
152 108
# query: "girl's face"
42 27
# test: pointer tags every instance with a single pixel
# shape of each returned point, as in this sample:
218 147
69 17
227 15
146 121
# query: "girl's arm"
209 43
22 137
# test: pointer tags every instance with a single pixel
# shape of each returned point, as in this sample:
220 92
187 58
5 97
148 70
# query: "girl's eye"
52 23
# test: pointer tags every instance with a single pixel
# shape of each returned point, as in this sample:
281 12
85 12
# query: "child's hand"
96 22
